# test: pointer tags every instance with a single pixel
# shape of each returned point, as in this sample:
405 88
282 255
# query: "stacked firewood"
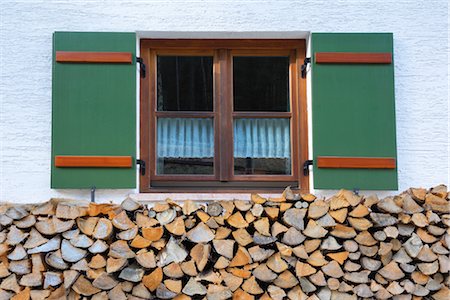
291 247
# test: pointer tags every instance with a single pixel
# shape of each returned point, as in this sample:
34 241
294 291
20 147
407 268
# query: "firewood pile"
292 247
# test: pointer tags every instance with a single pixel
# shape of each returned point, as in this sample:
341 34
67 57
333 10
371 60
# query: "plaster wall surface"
421 49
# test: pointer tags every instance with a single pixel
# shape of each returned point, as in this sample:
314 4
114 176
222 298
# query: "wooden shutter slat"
356 162
94 57
93 161
352 58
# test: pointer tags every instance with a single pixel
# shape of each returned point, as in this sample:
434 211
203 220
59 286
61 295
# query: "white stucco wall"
421 72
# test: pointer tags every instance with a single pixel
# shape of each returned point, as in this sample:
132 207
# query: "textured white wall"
421 72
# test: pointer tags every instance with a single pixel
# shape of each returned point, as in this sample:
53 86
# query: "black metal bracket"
140 61
141 164
93 189
305 65
306 165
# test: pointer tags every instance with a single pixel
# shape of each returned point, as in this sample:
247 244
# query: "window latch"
306 165
140 61
141 164
305 65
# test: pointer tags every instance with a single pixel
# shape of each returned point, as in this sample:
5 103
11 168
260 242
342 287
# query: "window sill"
201 197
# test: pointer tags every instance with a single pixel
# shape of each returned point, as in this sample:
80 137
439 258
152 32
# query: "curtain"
262 138
194 137
185 137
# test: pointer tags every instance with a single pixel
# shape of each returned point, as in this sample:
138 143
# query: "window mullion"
225 114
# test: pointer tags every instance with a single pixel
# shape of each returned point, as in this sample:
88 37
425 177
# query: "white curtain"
194 137
262 138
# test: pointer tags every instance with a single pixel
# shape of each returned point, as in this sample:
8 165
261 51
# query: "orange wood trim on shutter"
353 58
94 57
356 162
93 161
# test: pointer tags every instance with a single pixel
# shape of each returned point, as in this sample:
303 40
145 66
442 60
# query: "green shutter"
353 111
94 110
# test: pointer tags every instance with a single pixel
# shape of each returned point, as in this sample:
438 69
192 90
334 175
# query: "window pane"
185 83
261 83
262 146
185 146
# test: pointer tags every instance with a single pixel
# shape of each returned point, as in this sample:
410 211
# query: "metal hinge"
305 65
140 61
306 165
141 164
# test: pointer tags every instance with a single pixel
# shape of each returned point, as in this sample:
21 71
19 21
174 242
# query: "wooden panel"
94 57
93 161
352 58
353 111
223 43
93 110
355 162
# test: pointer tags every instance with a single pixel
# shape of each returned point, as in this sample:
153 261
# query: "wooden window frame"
223 114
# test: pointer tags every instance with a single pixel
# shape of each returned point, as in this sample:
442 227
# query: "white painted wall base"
421 70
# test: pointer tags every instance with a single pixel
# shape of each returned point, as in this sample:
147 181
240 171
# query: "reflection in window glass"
261 83
185 83
185 146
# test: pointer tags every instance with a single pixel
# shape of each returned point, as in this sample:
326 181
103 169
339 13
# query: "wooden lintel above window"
223 43
94 57
356 162
352 58
93 161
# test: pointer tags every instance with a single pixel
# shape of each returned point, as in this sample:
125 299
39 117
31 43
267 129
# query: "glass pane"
261 83
185 146
262 146
185 83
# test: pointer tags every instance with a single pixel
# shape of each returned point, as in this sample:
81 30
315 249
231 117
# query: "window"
223 114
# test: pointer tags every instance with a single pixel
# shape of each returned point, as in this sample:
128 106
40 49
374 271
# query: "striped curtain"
194 138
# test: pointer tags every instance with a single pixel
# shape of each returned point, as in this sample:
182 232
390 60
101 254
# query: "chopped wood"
166 216
262 226
237 221
241 258
139 242
193 287
130 205
115 264
173 270
84 287
152 280
98 246
276 263
55 260
188 268
173 252
26 222
87 225
146 258
71 253
122 222
282 247
263 273
103 229
176 227
224 247
132 273
200 254
339 215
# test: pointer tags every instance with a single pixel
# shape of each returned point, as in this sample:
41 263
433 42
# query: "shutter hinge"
141 164
306 165
305 65
140 61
